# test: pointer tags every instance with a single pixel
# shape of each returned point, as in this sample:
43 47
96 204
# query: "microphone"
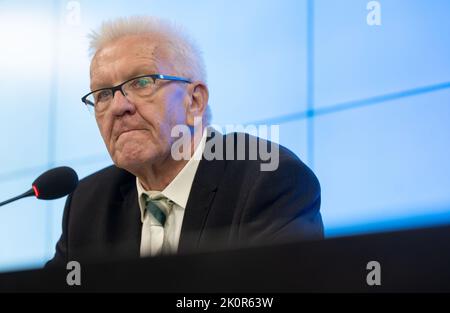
53 184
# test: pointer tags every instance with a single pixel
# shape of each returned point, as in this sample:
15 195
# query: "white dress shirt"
156 239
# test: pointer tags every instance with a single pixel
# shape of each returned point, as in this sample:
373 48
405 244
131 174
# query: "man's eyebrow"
96 86
99 82
139 71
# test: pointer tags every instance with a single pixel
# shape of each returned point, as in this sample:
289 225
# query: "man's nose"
120 104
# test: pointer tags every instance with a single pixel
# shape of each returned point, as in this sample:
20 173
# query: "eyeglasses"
136 88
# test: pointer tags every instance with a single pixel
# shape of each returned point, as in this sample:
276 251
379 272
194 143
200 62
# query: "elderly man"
148 78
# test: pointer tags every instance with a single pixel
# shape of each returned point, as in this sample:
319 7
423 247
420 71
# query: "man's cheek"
106 133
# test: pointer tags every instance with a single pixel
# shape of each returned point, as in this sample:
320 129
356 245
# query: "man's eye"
103 95
141 83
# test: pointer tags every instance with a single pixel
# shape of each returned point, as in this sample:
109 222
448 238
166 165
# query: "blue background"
366 107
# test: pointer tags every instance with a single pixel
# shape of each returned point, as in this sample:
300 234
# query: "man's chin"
128 160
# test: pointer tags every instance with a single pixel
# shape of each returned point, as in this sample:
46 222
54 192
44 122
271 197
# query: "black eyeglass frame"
119 87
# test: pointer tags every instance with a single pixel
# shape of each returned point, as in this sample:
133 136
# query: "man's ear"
198 101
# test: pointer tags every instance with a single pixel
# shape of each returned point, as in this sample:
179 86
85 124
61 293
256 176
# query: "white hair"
181 49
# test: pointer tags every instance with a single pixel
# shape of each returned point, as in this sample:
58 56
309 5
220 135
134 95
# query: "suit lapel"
195 214
131 220
201 196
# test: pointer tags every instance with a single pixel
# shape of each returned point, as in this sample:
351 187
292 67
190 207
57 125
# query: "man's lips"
128 131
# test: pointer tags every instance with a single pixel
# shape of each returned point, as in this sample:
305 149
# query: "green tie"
154 209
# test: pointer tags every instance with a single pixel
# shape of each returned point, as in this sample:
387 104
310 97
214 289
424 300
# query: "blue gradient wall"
367 107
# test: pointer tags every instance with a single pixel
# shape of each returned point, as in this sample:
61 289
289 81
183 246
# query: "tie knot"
159 206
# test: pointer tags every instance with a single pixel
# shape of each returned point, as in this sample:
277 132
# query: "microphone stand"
29 193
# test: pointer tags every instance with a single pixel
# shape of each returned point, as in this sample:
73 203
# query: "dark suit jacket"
231 203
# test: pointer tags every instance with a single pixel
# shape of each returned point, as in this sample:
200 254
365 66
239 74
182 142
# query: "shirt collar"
180 187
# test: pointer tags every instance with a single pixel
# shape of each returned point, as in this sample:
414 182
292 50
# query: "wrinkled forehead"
126 57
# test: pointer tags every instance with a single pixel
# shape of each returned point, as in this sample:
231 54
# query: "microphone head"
55 183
